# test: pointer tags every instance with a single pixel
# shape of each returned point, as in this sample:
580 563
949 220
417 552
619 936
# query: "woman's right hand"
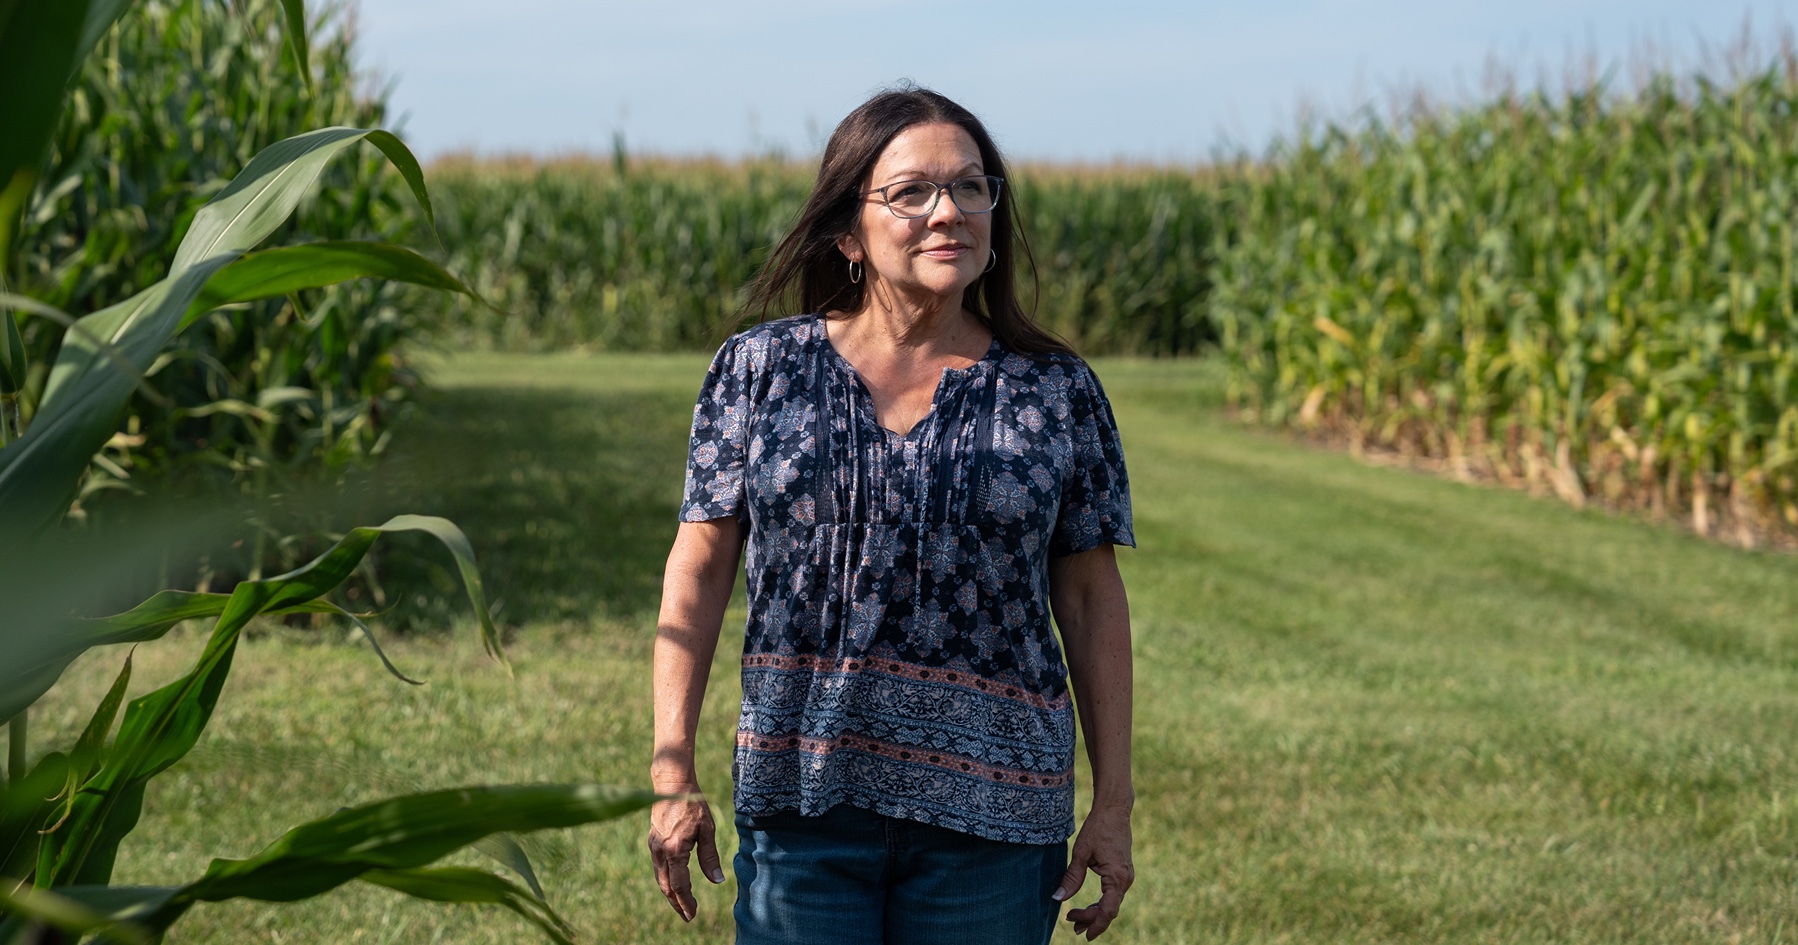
676 828
695 590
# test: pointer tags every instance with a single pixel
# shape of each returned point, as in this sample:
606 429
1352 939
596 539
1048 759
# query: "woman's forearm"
682 657
696 588
1094 615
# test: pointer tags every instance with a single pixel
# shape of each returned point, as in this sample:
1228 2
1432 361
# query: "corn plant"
63 817
1588 293
281 394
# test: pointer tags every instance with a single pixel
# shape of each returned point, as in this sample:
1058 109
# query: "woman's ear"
850 247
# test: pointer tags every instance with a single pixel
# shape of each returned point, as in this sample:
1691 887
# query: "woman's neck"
921 327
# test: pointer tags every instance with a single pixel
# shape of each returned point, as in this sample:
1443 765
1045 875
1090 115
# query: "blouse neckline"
995 350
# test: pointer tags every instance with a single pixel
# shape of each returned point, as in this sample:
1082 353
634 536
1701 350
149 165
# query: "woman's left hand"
1094 615
1103 846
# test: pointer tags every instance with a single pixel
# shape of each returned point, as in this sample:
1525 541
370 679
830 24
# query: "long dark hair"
809 257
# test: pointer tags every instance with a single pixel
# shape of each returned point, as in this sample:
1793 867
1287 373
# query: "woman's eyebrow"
913 173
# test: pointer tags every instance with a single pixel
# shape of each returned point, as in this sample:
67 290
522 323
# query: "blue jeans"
861 878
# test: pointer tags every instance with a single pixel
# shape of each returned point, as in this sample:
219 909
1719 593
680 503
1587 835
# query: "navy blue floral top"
898 655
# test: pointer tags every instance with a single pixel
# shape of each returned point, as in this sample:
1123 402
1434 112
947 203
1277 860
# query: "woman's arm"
695 589
1094 616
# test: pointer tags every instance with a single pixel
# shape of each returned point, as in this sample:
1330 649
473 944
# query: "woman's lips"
945 252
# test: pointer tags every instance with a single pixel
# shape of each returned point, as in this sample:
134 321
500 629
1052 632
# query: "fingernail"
1058 895
717 876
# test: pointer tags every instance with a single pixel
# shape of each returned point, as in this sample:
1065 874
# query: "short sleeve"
1095 495
719 442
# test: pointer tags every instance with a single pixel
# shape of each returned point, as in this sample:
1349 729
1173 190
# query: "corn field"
1589 294
175 101
654 254
641 255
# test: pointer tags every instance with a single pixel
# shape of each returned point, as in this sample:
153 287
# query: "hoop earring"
855 271
992 262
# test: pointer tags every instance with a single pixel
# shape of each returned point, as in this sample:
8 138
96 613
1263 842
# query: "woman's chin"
953 283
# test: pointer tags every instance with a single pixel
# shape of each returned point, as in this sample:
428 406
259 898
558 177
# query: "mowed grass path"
1373 706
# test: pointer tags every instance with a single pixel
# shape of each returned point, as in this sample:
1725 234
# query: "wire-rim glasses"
910 199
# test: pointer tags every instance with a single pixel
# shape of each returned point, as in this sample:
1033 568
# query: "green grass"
1373 706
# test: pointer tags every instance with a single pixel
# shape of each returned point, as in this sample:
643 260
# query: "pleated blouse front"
899 654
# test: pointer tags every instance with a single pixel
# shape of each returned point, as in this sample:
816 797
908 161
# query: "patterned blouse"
898 655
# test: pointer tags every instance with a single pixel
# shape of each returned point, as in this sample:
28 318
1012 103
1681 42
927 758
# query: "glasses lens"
975 194
911 198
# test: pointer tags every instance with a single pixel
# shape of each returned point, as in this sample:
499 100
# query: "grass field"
1373 706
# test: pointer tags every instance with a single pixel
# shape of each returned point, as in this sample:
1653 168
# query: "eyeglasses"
910 199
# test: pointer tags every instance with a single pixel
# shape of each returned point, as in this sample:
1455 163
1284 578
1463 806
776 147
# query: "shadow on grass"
569 499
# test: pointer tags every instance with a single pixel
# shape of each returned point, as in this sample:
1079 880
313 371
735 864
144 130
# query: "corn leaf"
39 42
374 642
505 849
12 355
462 884
37 657
29 306
387 843
24 804
262 196
85 757
288 269
84 394
27 904
295 11
101 15
404 833
161 727
120 905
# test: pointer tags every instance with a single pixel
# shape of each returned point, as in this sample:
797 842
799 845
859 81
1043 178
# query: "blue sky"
1054 80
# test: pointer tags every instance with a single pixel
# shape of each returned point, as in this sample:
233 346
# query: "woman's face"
939 254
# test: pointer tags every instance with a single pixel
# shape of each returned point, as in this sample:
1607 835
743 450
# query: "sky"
1151 81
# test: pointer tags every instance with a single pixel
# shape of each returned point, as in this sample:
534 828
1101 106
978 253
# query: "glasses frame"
937 196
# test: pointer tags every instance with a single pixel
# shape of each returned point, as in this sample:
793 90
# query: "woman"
920 473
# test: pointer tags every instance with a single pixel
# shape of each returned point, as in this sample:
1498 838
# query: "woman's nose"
945 213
